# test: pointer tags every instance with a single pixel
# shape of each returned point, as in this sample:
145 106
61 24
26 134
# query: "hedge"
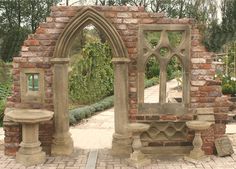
79 114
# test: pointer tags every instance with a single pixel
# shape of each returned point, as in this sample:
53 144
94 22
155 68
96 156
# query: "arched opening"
152 77
174 91
91 86
62 141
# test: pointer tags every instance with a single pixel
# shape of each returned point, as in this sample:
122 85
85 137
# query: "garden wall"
38 49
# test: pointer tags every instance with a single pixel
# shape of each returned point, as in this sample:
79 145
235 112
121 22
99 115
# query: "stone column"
121 143
62 141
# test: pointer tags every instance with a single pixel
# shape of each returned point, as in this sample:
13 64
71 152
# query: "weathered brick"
32 42
198 83
121 26
130 21
124 15
198 60
62 19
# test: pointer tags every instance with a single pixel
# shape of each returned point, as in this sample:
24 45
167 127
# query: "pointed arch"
86 16
62 141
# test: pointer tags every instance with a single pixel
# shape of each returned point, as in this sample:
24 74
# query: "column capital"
119 60
60 60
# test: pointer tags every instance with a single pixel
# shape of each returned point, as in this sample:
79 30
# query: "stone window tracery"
166 43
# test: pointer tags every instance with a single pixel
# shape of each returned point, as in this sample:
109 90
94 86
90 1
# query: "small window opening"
33 81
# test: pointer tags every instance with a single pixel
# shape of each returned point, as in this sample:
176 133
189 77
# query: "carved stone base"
121 145
197 154
63 146
31 159
138 159
197 161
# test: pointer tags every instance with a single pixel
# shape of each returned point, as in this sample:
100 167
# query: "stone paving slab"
92 138
106 161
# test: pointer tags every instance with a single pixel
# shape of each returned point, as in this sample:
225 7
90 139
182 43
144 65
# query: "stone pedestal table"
30 152
197 153
137 158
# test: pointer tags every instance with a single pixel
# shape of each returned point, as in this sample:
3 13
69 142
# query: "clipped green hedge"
79 114
151 82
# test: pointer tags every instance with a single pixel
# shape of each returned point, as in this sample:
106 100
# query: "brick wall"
38 49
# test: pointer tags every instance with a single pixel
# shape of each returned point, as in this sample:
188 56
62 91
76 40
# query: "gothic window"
170 46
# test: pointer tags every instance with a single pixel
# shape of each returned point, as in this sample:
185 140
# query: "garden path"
96 132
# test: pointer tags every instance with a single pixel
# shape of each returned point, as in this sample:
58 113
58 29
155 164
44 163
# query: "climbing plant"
91 76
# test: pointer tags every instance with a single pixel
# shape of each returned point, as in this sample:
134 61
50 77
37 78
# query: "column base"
121 145
31 159
62 146
138 160
197 154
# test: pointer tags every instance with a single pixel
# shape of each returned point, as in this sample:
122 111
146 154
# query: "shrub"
228 84
5 87
227 88
151 82
78 114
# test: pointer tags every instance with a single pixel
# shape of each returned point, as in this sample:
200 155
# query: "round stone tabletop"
138 127
198 125
29 115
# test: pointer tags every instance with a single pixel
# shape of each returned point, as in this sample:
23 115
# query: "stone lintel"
60 60
120 60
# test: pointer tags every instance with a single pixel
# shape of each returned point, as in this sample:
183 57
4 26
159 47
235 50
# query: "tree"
220 34
18 18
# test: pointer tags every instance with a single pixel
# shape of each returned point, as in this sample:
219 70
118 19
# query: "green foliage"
152 68
227 88
153 38
217 34
174 68
228 85
91 78
151 82
11 42
18 18
80 113
5 87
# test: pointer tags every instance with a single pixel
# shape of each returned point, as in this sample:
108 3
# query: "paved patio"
93 137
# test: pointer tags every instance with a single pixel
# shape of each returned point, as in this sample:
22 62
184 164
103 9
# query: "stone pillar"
62 141
30 152
121 143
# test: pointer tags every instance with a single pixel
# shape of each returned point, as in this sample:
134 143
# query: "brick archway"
62 142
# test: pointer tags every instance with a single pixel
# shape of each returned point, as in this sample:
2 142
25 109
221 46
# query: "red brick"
32 42
147 21
40 31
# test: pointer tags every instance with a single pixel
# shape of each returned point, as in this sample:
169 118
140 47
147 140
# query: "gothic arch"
62 141
84 17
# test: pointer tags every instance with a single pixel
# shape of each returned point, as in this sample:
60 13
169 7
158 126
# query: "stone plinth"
30 152
137 158
197 153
